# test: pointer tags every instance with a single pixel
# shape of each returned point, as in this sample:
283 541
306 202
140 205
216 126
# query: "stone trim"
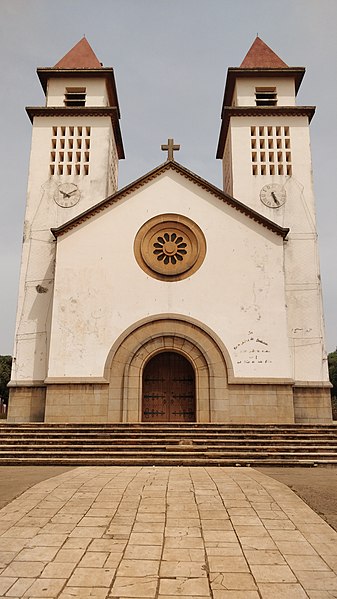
172 318
132 402
145 339
158 231
260 381
219 396
312 405
314 384
27 404
76 380
26 383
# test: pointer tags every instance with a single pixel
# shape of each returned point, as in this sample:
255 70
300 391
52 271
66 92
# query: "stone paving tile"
254 556
23 569
21 532
306 562
227 564
322 594
19 587
134 568
180 597
164 533
92 532
7 544
179 569
194 587
317 580
94 559
134 587
37 554
236 595
183 555
5 583
228 549
58 570
83 593
48 588
6 557
295 548
86 577
69 556
221 581
282 591
47 540
272 573
142 552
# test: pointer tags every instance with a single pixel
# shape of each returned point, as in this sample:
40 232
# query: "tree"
332 362
5 375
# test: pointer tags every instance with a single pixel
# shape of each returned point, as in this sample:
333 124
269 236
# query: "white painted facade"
35 298
96 90
301 261
96 300
244 91
256 296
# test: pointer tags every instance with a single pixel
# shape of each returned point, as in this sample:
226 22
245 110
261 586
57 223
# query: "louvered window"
75 96
265 96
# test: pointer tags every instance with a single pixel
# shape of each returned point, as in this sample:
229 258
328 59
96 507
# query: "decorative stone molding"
132 351
170 247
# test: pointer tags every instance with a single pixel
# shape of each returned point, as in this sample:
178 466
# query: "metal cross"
170 147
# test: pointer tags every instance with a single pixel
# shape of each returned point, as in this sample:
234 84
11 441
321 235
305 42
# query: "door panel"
168 389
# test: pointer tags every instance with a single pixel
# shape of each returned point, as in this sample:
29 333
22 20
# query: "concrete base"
246 404
312 405
26 404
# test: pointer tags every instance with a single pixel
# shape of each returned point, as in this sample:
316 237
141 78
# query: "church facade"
170 300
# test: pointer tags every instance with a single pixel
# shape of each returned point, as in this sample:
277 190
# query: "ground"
164 532
316 486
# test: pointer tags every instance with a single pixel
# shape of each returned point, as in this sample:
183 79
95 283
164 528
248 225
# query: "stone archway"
131 352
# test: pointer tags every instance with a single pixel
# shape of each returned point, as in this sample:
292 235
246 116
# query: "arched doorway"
168 389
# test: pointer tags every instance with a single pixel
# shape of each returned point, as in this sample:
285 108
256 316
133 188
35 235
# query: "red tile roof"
261 56
81 56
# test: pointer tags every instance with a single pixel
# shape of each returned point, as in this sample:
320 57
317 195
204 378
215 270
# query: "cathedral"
170 300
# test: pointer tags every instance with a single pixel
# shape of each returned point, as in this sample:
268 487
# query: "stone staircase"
168 444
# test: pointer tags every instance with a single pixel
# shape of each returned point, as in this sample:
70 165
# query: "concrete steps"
168 444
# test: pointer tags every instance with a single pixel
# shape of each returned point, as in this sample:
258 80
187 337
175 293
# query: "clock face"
67 195
273 195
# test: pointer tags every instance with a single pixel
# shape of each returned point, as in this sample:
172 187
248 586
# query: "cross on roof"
170 147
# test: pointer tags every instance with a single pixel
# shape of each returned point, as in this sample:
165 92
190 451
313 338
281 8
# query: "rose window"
170 248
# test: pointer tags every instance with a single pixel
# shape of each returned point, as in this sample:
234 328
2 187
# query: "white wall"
238 292
244 93
38 252
302 271
95 89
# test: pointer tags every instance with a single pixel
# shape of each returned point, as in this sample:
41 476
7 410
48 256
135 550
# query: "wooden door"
168 389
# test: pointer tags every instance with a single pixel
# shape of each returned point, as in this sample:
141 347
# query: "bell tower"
264 146
76 146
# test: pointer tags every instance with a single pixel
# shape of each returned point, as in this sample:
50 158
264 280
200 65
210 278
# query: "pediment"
170 165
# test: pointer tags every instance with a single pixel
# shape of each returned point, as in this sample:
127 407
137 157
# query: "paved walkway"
224 533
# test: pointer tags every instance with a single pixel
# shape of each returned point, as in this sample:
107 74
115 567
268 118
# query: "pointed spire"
81 56
261 56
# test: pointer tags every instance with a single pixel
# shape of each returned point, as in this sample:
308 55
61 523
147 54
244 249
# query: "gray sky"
170 59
